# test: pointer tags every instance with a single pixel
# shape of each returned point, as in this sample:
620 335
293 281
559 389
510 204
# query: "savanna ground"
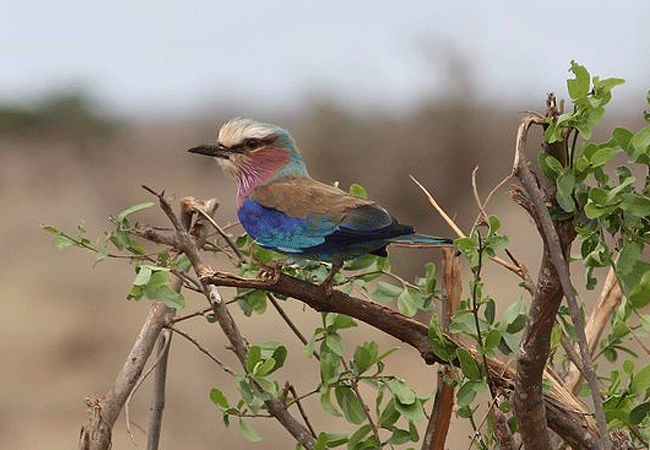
66 326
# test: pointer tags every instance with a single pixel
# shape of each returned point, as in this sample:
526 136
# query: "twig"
290 323
164 343
158 400
275 406
223 234
300 408
482 214
610 298
203 350
518 269
437 207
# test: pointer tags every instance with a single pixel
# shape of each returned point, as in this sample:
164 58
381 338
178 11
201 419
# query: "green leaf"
341 321
218 398
135 293
326 403
551 167
279 356
358 435
335 439
253 301
578 87
637 205
406 303
399 437
143 276
640 294
365 356
468 390
565 185
386 292
362 262
133 209
412 412
358 191
253 356
401 391
430 277
263 367
465 244
249 432
607 84
463 322
320 444
169 297
349 404
622 137
334 344
639 413
640 380
515 317
468 365
492 339
601 156
388 416
62 241
329 365
181 263
50 229
641 141
489 311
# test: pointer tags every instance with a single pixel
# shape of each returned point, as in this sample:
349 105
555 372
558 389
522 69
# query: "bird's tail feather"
421 239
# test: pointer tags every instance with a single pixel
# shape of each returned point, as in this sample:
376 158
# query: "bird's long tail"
421 239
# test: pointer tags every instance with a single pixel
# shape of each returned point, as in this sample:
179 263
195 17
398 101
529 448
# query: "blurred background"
99 98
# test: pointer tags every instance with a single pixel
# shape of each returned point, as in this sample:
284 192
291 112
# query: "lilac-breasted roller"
282 208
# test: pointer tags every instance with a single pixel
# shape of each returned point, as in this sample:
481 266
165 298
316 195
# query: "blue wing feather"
358 230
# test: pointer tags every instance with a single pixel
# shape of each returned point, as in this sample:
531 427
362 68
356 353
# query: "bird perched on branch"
282 208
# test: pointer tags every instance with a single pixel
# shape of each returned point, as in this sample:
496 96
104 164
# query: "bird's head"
254 152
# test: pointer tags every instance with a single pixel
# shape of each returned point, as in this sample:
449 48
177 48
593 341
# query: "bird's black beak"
212 149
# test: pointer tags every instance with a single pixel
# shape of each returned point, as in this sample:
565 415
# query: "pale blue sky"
152 57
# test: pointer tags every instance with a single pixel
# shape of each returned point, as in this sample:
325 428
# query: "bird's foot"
272 271
327 282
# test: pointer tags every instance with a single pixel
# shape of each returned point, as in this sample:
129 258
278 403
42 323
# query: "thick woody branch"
566 415
553 283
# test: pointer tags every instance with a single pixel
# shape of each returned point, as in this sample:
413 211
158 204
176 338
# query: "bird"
284 209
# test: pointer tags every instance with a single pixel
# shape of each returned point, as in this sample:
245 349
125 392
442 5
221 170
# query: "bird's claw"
327 282
271 272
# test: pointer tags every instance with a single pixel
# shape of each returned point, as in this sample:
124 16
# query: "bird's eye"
252 143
